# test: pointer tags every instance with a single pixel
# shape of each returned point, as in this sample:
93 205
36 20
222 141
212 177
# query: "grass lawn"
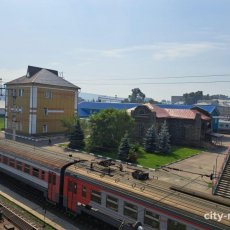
152 160
2 123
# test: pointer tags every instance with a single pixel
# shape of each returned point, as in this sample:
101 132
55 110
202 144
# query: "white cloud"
160 50
83 64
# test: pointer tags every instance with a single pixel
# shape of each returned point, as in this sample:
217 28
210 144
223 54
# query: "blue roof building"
211 109
87 108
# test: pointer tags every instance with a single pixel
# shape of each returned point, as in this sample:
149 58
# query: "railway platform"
36 210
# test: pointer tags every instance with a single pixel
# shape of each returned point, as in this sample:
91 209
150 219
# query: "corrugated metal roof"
207 107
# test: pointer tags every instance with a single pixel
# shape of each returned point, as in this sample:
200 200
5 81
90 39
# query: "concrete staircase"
223 188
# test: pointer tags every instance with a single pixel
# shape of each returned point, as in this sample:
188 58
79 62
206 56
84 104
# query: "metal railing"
220 173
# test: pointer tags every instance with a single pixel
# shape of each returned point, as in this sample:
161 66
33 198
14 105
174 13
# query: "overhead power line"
153 78
163 83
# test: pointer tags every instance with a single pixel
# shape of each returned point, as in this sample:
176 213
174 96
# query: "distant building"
107 99
175 99
87 108
188 127
42 98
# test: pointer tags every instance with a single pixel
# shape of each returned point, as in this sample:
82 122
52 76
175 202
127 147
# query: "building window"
12 163
43 175
21 109
151 219
9 109
84 191
70 186
112 203
174 225
5 160
19 165
21 126
44 128
50 178
35 172
48 94
75 188
9 124
17 109
13 92
27 169
215 120
130 210
54 179
16 125
45 111
20 92
96 196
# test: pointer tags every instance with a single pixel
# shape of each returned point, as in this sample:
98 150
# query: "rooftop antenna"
61 74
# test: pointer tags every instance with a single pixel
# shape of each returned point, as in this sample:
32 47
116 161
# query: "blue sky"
116 39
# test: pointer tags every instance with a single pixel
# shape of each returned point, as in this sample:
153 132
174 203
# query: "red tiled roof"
176 113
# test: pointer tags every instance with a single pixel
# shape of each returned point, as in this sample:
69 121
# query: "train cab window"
152 219
19 165
174 225
5 160
130 210
70 186
43 175
35 172
27 168
226 126
112 203
50 178
96 196
84 191
75 188
12 163
221 125
54 179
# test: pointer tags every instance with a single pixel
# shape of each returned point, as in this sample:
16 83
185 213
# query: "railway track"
82 222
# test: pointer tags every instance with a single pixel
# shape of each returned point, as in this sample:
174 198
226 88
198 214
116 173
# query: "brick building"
42 98
188 127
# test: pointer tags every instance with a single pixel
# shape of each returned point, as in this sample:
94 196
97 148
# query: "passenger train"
85 188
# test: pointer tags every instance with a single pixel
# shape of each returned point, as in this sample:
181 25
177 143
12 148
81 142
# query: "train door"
51 186
72 195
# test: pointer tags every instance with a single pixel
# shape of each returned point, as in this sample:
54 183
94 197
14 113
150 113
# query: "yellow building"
41 99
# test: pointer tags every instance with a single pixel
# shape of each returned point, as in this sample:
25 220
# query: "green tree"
123 150
76 137
108 127
164 142
152 101
137 96
150 140
193 97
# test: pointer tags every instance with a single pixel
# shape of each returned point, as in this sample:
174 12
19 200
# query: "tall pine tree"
150 140
164 142
76 137
123 150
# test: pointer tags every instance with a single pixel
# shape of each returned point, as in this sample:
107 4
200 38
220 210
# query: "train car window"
75 188
152 219
5 160
174 225
35 172
50 178
27 168
112 203
70 186
0 158
84 191
43 175
54 179
96 196
12 163
130 210
19 165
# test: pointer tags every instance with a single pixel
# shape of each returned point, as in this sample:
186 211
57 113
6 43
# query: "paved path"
202 163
